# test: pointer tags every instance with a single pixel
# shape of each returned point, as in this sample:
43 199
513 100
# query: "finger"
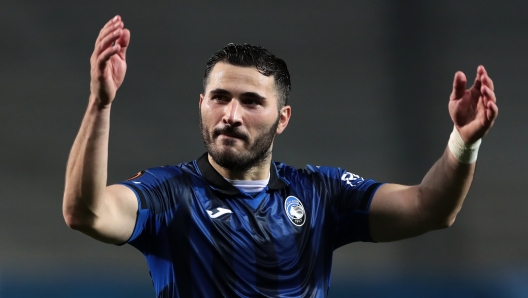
123 42
108 41
481 70
492 111
105 56
487 81
490 114
475 89
112 23
489 94
108 27
459 85
108 31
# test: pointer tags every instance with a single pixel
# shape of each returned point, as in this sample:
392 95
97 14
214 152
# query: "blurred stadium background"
371 82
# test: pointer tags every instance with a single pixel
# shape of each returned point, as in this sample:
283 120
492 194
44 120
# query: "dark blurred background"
371 82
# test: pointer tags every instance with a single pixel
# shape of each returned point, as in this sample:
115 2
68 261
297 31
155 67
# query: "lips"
230 136
231 132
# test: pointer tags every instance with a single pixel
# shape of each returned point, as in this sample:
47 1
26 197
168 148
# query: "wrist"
464 152
96 102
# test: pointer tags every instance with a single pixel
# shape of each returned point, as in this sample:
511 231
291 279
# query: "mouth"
233 136
229 133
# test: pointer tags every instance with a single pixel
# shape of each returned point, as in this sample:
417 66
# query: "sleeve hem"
134 231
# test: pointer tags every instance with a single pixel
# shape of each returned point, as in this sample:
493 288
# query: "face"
239 116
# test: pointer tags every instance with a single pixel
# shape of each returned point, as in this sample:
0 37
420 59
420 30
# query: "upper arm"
399 211
116 224
395 213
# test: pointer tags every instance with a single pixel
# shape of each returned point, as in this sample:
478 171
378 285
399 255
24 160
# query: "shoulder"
161 188
157 175
309 170
319 174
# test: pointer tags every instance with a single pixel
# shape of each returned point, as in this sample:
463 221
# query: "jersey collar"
218 182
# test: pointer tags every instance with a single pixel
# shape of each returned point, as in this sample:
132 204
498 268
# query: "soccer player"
233 223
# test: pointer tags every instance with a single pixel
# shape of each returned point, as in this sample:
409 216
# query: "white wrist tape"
465 153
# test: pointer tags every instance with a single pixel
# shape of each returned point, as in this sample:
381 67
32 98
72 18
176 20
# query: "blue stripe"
287 245
201 239
244 252
267 263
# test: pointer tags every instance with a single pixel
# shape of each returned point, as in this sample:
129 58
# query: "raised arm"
399 211
105 213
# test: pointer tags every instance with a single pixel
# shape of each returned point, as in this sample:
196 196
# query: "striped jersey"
203 237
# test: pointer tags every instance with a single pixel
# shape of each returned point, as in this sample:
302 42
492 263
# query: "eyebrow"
254 95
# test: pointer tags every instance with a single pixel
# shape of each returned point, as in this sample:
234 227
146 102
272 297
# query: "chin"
230 144
230 152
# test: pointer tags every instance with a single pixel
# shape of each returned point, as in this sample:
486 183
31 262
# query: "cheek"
264 123
205 116
211 114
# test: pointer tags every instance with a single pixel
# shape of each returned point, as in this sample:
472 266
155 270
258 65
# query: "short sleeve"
155 195
349 197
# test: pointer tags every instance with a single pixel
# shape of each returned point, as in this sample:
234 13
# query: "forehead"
239 78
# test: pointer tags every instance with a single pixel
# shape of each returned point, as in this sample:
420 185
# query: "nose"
232 113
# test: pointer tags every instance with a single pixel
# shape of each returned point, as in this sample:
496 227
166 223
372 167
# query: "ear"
201 99
284 118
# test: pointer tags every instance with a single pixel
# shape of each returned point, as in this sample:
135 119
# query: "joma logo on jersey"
217 212
295 211
351 179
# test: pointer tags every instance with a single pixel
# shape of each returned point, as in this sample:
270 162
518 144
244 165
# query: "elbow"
79 224
68 213
449 221
76 218
71 221
443 223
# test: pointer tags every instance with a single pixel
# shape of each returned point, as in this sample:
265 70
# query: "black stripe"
305 251
167 292
363 205
223 272
140 194
267 263
179 231
179 241
311 262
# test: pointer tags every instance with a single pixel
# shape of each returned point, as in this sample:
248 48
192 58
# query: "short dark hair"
254 56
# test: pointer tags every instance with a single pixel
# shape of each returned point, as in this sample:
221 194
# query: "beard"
255 152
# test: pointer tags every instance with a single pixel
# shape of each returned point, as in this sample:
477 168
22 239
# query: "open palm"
108 61
473 111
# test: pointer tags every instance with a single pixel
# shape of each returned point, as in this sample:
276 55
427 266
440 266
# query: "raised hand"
108 63
473 111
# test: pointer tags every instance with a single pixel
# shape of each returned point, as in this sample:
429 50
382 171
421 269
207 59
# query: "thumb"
459 85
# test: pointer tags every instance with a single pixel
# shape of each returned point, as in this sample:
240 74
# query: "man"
233 223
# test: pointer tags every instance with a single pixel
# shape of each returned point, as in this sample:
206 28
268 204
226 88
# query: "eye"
219 97
251 102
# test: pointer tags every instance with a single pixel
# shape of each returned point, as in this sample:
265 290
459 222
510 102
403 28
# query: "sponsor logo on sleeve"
295 211
139 174
351 179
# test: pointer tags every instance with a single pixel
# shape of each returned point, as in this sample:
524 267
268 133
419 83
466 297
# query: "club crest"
295 211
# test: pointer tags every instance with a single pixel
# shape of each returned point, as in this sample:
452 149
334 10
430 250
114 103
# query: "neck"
258 172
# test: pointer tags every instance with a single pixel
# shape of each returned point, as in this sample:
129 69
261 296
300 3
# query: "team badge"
295 211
